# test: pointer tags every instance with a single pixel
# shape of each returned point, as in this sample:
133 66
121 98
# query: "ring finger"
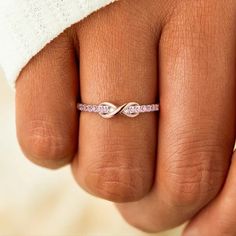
116 156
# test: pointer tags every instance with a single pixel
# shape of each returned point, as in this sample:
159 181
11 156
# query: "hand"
178 52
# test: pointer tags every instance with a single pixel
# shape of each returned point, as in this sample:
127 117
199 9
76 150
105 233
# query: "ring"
108 110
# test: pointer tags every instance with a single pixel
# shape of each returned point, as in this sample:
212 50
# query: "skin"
161 169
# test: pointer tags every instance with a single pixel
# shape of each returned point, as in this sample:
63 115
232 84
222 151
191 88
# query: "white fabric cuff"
26 26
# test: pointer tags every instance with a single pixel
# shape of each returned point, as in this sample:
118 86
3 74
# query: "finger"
116 156
218 218
197 116
46 115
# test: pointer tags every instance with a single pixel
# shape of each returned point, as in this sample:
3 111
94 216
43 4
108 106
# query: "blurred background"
38 202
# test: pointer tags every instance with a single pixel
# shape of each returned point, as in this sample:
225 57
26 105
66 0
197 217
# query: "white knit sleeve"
26 26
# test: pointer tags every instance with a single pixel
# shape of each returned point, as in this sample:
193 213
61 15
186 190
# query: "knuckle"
120 173
44 145
115 183
196 168
200 14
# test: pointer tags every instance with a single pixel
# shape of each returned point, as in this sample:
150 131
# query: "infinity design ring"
108 110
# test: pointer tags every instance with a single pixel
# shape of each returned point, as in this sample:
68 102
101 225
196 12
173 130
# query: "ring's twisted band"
108 110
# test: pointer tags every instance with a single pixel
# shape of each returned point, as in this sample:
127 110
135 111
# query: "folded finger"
46 115
219 218
197 116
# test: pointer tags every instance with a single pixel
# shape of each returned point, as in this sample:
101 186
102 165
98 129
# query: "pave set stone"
94 108
141 108
132 109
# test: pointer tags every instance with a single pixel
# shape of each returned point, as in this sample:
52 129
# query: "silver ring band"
108 110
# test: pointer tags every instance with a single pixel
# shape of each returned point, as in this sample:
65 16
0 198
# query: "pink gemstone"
144 108
138 108
149 108
132 109
94 108
126 111
98 108
85 108
107 109
104 109
90 108
101 109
